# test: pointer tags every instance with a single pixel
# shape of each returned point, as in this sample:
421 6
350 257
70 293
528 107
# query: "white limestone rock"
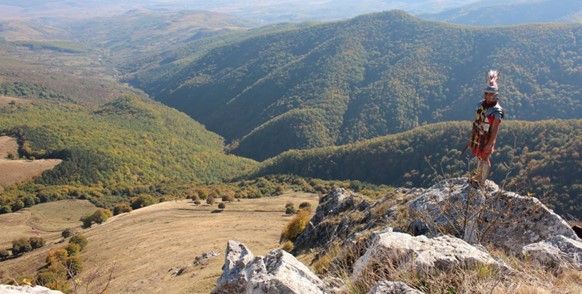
7 289
387 287
424 254
558 251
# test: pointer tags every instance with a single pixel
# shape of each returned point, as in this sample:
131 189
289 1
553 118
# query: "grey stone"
486 214
278 272
7 289
558 251
234 278
424 254
388 287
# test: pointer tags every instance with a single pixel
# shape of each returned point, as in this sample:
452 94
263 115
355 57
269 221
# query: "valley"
159 114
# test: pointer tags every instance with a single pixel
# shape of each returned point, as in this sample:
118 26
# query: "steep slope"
127 144
532 157
494 13
370 76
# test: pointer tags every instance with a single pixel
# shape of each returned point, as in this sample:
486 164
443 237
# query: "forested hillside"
127 144
370 76
542 158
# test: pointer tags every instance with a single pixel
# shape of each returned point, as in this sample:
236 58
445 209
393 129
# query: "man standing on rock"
486 127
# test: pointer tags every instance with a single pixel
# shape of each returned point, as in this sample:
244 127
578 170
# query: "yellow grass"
145 248
5 100
15 171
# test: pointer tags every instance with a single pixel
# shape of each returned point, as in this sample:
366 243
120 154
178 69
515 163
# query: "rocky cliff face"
427 231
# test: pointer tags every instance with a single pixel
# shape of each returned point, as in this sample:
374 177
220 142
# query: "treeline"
370 76
533 158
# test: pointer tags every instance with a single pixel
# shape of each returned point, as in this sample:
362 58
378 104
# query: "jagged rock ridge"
452 218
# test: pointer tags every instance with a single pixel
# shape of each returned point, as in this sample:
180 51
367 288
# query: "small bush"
210 200
4 254
21 246
142 201
73 249
221 205
36 242
121 208
290 208
305 206
296 226
197 202
287 246
79 239
67 233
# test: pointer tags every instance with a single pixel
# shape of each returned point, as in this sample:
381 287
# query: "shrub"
221 205
305 206
296 226
73 249
21 246
229 198
101 215
210 200
143 200
197 202
4 254
287 246
121 208
67 233
87 221
36 242
74 265
79 239
56 258
290 210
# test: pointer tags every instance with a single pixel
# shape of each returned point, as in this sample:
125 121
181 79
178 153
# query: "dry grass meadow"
15 171
152 250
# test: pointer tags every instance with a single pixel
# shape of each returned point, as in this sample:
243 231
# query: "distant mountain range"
373 75
473 12
493 13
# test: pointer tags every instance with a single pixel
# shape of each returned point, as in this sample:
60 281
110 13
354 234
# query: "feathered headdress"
491 81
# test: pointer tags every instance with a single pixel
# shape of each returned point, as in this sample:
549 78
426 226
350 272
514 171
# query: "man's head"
491 91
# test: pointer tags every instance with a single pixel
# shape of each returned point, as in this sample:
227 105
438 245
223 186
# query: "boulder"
486 214
400 250
234 278
278 272
556 252
387 287
7 289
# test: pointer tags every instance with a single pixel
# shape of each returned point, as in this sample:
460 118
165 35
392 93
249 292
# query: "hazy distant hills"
370 76
492 13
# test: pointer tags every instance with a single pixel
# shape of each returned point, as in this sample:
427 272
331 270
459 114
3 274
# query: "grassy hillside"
542 158
370 76
146 248
126 143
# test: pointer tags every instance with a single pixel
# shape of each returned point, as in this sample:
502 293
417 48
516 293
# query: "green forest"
125 144
373 75
540 159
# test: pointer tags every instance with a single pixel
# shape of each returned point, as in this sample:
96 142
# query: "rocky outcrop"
334 218
485 215
278 272
400 250
7 289
387 287
556 252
